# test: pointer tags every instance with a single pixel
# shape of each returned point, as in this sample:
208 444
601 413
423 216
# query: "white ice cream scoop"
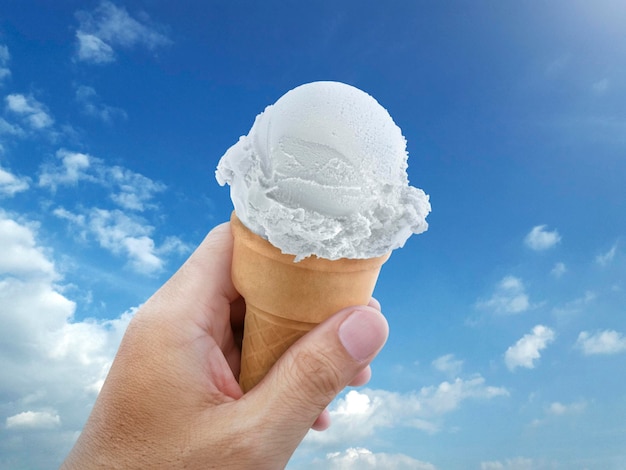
323 172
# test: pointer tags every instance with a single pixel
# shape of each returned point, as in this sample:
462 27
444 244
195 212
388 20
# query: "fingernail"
363 333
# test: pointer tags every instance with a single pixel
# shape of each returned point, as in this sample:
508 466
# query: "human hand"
171 399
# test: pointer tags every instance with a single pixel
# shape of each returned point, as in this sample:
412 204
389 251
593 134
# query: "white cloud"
559 409
108 27
51 366
11 184
34 113
20 254
133 191
601 342
4 62
358 458
558 270
121 234
77 219
126 235
448 365
525 352
540 239
517 463
129 190
448 396
91 104
509 297
117 232
93 49
34 420
74 167
174 244
143 257
7 128
606 258
357 415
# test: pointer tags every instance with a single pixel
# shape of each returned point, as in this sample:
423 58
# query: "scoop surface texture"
323 172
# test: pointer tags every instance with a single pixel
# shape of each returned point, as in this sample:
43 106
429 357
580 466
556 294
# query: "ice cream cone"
285 300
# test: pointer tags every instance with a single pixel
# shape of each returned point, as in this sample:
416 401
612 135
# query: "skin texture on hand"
171 399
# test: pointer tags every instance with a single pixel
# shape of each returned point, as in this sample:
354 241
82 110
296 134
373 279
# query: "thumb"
317 367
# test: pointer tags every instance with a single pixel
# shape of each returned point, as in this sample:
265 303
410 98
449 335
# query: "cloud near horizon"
516 463
359 414
51 366
360 458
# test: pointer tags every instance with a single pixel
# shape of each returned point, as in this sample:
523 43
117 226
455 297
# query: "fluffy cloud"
7 128
559 409
526 351
121 235
34 420
509 297
4 62
109 27
358 415
360 458
11 184
540 239
74 167
601 342
448 365
517 463
117 232
129 190
51 366
20 255
93 49
34 113
91 104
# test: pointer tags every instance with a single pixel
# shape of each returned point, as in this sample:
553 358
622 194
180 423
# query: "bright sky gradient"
508 317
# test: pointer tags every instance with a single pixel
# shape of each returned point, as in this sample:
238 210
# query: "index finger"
203 286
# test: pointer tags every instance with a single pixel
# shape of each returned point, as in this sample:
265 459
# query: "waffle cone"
285 300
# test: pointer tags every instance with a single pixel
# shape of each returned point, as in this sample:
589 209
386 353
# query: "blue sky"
507 347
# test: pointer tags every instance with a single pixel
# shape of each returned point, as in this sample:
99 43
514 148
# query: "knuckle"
318 375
